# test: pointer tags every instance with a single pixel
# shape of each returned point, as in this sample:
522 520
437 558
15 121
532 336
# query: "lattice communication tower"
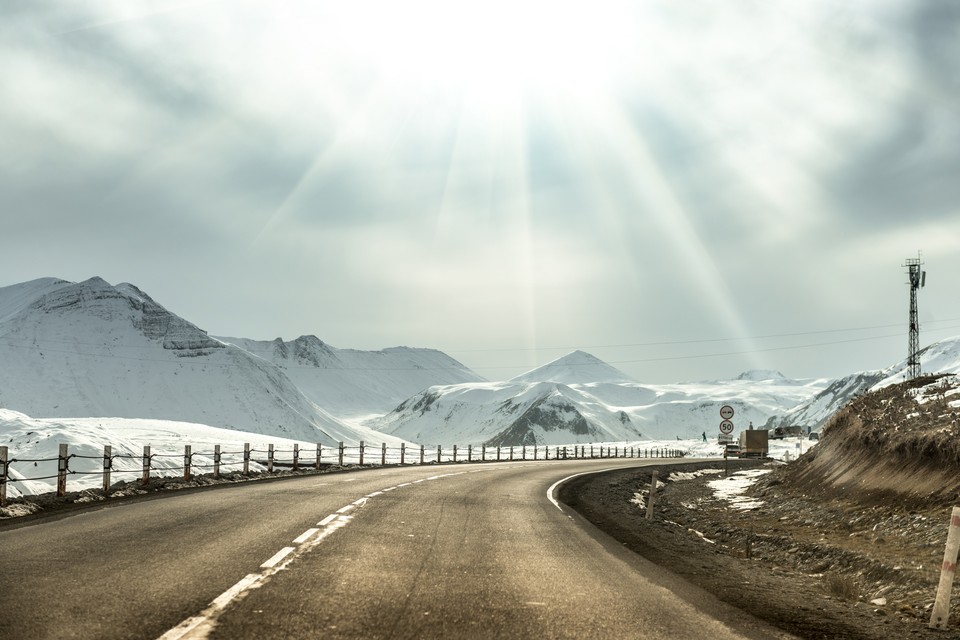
918 279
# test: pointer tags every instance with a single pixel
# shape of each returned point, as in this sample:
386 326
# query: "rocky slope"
845 542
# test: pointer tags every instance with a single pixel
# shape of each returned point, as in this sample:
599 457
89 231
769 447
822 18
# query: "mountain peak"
758 375
577 367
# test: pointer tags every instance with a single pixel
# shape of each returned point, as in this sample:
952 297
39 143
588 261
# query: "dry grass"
842 586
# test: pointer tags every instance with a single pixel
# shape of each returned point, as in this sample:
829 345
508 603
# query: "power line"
181 361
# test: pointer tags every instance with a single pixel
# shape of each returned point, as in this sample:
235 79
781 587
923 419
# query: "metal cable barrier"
250 462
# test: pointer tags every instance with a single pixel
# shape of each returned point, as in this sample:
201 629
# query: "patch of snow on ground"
732 488
679 476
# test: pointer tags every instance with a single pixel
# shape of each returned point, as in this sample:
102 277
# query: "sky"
685 190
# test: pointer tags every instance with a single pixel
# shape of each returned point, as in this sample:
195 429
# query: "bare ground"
815 567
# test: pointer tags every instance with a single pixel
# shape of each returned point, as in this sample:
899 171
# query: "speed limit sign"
726 427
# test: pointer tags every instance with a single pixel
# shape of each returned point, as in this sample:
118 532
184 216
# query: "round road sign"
726 412
726 427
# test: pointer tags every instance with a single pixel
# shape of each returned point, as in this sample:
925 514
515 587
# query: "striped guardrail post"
941 608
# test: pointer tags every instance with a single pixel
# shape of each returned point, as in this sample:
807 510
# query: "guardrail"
154 465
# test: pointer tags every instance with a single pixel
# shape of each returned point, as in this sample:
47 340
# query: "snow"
482 412
76 350
733 487
35 439
92 349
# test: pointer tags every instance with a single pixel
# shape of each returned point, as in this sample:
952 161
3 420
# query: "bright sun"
497 50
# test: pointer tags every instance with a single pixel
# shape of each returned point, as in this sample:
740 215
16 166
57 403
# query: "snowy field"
33 446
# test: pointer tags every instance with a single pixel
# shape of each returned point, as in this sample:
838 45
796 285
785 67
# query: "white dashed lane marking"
277 557
303 537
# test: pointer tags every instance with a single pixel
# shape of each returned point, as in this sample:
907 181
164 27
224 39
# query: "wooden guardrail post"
511 452
546 452
216 461
383 454
403 451
653 494
340 456
421 454
296 457
4 465
246 458
107 465
270 458
483 453
454 453
187 458
469 453
319 455
439 451
361 452
534 452
498 453
146 465
62 459
941 608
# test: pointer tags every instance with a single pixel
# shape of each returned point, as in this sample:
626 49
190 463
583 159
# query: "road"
452 551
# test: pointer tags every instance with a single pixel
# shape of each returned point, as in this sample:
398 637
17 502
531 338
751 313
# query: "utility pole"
918 279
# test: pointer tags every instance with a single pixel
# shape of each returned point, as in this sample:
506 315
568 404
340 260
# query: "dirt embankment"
846 542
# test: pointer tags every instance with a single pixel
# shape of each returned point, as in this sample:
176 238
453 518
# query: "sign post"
726 428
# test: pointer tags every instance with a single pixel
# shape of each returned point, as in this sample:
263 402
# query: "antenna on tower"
917 280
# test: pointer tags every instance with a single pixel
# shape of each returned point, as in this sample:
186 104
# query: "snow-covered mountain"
532 408
90 349
939 357
348 382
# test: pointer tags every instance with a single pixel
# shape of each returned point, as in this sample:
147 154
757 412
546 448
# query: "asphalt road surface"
452 551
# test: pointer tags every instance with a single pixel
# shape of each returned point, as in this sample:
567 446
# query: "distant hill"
579 398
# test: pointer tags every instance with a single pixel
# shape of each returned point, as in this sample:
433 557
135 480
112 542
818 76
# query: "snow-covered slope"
348 382
92 349
534 409
939 357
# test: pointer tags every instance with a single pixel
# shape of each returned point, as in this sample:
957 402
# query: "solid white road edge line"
553 488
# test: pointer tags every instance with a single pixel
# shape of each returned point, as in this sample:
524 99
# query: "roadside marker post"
146 465
62 461
216 461
653 494
4 457
107 466
246 458
941 608
187 457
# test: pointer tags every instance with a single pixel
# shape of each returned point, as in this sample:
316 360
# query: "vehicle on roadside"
731 451
779 433
754 443
814 435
